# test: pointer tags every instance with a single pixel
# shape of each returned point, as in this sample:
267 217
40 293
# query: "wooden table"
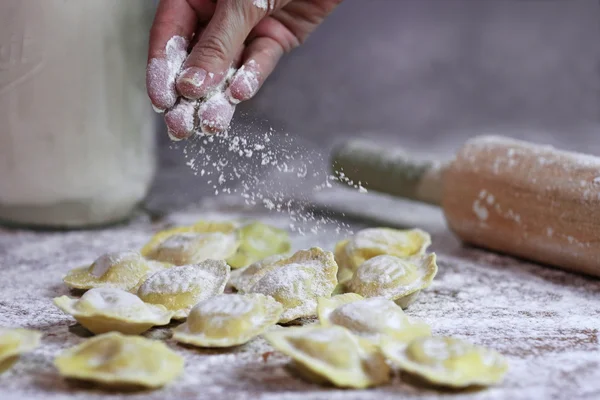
545 321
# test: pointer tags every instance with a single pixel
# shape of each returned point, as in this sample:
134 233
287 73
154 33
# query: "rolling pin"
531 201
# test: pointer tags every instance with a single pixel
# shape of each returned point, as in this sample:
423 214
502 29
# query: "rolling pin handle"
389 170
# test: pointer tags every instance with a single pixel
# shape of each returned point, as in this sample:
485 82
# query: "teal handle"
388 170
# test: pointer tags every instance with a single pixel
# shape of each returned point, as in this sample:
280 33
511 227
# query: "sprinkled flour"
235 164
544 320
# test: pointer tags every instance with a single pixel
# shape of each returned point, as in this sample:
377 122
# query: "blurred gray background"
428 74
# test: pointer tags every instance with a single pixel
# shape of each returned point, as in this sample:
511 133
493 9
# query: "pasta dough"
113 359
14 342
393 277
372 319
228 320
372 242
105 309
332 354
122 270
298 281
447 361
181 288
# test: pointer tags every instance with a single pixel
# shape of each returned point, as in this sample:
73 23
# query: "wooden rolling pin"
502 194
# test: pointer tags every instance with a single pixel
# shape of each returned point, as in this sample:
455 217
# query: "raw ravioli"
447 361
106 309
117 360
199 227
243 279
192 247
258 241
122 270
372 319
14 342
228 320
372 242
298 281
395 278
332 355
181 288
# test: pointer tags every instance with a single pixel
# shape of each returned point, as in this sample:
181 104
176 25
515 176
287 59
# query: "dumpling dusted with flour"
228 320
298 281
373 242
243 279
14 342
258 241
105 309
122 270
394 278
372 319
115 360
447 361
332 355
181 288
191 248
199 227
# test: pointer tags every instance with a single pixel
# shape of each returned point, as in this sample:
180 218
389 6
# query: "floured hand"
206 56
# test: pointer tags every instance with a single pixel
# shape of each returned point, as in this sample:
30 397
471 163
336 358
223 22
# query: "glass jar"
76 127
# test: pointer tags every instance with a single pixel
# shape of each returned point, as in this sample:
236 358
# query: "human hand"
199 90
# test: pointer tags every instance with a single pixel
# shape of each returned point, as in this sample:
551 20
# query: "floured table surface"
546 322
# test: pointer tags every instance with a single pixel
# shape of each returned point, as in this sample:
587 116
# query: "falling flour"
236 164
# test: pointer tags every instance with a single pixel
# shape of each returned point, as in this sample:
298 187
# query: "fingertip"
161 73
190 83
181 120
157 78
244 83
195 83
215 114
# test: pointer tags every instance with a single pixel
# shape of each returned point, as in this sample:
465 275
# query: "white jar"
76 127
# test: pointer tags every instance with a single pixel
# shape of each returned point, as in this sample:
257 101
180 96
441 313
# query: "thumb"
219 43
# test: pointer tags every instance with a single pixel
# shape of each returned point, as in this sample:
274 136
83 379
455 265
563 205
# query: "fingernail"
180 120
215 114
244 83
190 83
